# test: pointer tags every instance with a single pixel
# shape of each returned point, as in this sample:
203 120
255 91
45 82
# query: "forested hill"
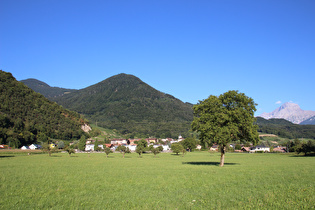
286 129
126 103
27 117
45 89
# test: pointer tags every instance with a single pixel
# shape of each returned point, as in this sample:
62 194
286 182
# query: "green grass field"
259 181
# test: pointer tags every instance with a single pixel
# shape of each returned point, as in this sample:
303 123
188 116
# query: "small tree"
61 145
155 151
82 143
177 148
141 146
122 149
107 151
140 150
69 150
46 148
306 148
189 143
160 148
96 147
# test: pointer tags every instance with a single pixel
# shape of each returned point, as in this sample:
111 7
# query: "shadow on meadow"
56 156
6 156
209 163
308 155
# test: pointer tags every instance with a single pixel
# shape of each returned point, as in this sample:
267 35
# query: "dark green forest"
285 129
127 104
28 117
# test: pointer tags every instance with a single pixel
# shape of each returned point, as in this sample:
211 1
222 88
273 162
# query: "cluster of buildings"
259 148
131 143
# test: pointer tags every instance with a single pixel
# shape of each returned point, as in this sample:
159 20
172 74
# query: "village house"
90 147
180 138
35 146
214 147
118 141
245 149
25 148
165 147
132 141
259 149
280 149
151 140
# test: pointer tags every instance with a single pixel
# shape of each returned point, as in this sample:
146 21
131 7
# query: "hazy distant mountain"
45 89
291 112
310 121
126 103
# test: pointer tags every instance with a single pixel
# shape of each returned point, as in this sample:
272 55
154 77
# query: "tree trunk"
222 156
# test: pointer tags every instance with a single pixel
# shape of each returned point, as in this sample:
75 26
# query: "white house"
180 138
35 146
25 148
132 148
90 147
259 149
165 147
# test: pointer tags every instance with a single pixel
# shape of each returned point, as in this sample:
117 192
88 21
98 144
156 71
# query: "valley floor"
168 181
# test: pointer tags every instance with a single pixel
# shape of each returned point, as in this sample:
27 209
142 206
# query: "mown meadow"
195 181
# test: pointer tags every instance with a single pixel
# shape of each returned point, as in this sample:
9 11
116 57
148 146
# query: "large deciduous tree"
222 119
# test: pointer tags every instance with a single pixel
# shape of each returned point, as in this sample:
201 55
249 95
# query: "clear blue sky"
189 49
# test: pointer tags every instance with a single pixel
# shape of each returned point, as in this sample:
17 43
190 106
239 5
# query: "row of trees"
298 146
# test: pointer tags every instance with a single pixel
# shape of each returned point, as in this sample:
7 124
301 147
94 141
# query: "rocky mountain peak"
289 111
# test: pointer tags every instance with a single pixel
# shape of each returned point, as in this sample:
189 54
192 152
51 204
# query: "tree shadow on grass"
6 156
208 163
302 155
56 156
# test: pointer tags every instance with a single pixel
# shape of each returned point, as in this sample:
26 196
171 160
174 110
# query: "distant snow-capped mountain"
291 112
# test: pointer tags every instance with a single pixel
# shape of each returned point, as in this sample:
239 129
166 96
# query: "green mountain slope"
126 103
27 117
285 129
45 89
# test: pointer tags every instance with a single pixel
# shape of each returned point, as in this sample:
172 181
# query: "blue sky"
189 49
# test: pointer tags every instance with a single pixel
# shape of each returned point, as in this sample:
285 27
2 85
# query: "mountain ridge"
128 104
291 112
45 89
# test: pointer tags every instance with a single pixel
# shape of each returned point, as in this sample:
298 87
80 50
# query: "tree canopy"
222 119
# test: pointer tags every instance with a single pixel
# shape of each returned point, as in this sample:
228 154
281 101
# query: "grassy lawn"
261 181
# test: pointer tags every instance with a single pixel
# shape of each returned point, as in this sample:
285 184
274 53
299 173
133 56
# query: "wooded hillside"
126 103
27 117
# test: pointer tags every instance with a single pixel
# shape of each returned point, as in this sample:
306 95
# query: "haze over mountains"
291 112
